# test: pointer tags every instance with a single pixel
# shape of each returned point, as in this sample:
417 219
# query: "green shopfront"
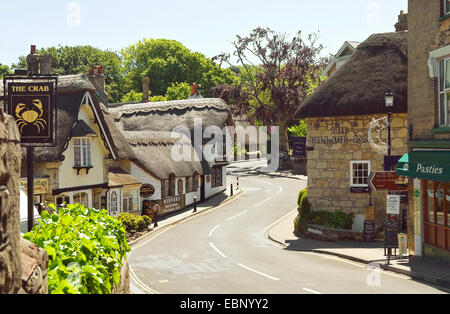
431 200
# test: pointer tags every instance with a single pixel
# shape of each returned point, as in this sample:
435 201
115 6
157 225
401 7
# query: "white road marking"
213 230
259 204
140 284
238 215
281 190
311 291
163 281
217 250
265 182
258 272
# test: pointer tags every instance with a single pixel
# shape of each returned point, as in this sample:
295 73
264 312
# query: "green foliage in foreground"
86 248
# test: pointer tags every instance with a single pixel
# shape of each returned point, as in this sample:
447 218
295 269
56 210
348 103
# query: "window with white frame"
130 200
82 152
359 173
444 92
446 7
114 205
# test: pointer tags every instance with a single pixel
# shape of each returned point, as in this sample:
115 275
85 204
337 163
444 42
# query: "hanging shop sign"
393 205
40 185
147 191
32 103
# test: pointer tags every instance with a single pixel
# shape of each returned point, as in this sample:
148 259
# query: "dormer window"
82 154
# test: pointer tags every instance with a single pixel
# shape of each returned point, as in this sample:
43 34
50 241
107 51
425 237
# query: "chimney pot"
145 89
100 70
33 49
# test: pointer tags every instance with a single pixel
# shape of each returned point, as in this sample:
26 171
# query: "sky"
208 27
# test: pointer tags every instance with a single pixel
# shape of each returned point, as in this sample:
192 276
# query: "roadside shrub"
141 223
128 221
333 220
86 248
304 213
148 220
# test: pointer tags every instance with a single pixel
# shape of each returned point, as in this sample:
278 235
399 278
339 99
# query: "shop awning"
426 165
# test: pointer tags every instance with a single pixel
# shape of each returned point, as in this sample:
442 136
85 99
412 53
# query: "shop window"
359 173
444 92
437 214
82 199
82 152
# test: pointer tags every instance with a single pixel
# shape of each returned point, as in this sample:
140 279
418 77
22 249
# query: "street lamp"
389 101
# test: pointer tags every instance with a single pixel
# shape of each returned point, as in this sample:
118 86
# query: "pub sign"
33 106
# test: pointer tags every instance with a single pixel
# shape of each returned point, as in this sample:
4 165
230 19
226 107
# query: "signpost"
387 181
31 100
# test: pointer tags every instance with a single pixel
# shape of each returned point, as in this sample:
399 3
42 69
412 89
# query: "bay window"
130 201
444 92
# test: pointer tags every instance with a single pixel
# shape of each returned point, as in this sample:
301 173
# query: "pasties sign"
32 106
430 169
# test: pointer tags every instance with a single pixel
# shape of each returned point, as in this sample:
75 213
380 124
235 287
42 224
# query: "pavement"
372 254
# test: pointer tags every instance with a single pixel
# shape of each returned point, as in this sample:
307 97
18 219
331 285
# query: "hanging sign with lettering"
33 106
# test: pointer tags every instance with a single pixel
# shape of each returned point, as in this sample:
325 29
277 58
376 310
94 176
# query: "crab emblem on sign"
30 115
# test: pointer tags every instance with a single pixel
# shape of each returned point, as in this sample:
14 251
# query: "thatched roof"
153 151
71 90
165 116
359 86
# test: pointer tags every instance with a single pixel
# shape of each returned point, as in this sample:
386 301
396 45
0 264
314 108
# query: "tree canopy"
168 62
276 76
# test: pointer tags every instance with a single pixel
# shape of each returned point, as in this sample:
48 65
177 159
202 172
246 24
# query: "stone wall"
10 247
333 143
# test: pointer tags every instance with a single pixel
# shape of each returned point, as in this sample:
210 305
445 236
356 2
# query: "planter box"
334 235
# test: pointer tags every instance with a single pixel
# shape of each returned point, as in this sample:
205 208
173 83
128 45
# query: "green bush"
333 220
128 221
148 220
142 223
86 248
304 213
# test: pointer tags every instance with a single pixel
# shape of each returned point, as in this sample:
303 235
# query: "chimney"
195 91
145 89
39 64
97 78
402 24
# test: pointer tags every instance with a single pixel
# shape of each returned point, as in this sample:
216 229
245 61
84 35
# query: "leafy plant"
128 221
333 220
86 248
304 213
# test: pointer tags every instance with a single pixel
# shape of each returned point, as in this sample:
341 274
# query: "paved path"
226 251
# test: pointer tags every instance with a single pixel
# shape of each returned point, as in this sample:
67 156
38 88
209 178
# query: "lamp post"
389 101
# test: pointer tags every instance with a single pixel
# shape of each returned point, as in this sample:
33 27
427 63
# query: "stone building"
428 161
339 113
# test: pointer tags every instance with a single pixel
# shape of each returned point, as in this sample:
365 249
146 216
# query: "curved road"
226 251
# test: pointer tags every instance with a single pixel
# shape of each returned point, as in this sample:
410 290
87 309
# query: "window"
82 152
359 173
444 92
62 200
436 213
195 185
130 200
165 188
113 206
189 184
81 198
216 177
172 184
446 7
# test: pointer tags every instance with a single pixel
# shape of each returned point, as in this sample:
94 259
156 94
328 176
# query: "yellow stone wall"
336 142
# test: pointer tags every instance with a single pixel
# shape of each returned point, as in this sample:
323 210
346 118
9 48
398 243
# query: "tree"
79 59
4 69
178 91
168 62
277 75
